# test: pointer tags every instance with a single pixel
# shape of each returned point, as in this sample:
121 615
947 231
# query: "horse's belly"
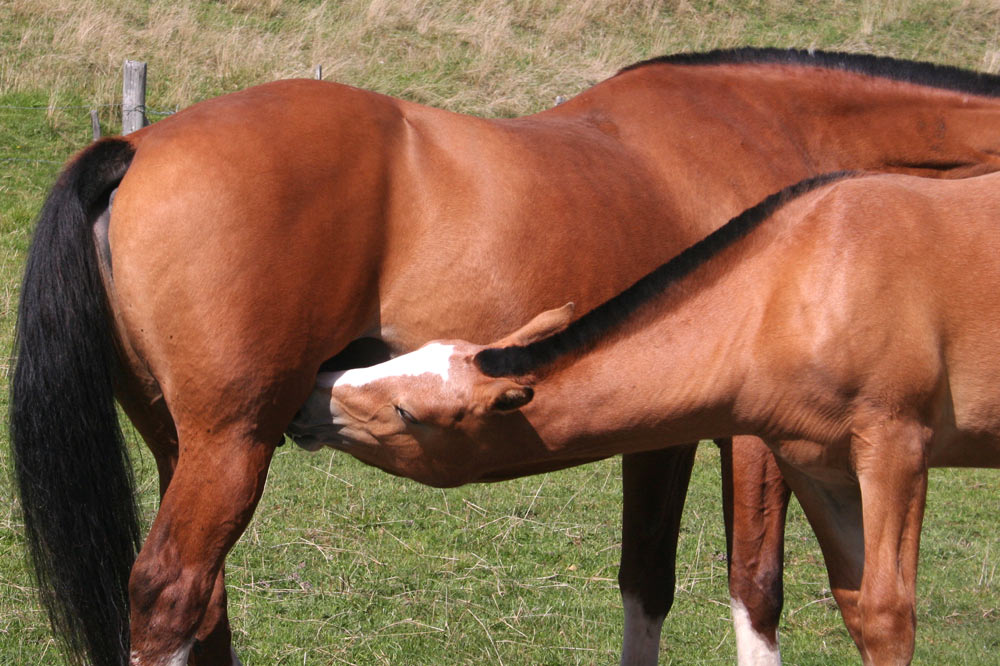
827 462
966 449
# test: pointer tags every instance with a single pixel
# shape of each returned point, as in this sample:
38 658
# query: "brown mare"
852 326
247 240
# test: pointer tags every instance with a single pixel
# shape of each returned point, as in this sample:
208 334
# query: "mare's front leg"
654 487
755 503
176 588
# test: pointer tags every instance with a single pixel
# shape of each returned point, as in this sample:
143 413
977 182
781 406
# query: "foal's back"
885 298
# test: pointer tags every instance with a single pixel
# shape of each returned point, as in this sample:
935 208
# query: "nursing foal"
851 324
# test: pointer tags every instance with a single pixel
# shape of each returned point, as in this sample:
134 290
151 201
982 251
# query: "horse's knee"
888 629
167 605
648 583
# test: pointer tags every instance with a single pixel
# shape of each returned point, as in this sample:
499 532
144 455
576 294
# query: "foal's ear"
504 395
542 326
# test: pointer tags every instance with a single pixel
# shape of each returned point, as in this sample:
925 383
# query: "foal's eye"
405 415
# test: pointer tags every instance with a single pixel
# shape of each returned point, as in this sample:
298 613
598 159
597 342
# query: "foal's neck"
672 375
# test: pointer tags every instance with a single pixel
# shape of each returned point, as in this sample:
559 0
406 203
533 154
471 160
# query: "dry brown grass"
483 56
196 49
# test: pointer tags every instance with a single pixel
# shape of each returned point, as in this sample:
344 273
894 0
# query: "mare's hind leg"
654 486
755 502
176 586
213 640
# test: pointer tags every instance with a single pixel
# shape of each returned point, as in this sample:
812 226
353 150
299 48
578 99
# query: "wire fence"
132 112
47 109
92 107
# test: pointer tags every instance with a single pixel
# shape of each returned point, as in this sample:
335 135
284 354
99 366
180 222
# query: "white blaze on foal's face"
361 406
430 415
420 415
383 391
434 359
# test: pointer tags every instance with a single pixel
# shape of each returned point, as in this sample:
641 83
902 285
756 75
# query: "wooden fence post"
318 72
95 124
134 96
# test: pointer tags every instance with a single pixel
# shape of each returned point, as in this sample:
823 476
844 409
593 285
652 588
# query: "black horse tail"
71 467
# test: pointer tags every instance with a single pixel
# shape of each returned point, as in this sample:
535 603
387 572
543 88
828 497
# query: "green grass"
344 564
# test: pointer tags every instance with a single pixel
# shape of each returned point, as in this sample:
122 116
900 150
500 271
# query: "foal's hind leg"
176 584
755 502
654 487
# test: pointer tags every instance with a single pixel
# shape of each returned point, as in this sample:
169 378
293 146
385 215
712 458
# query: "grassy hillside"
499 58
346 565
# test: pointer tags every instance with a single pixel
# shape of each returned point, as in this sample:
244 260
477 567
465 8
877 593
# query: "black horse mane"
909 71
603 319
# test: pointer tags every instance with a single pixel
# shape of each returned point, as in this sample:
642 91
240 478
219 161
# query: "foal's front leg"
890 461
833 509
176 588
869 530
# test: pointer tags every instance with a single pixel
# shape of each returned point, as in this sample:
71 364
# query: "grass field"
346 565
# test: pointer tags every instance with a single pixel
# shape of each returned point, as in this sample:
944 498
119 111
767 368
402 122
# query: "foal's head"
430 415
